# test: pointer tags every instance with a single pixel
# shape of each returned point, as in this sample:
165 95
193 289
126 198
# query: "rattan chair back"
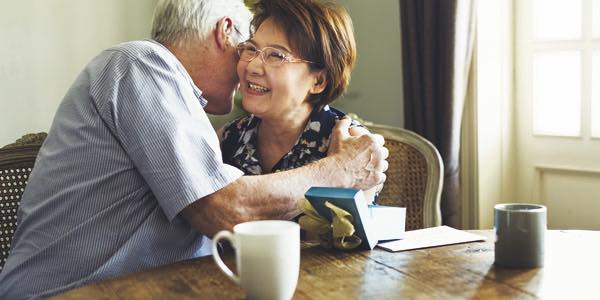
414 176
16 162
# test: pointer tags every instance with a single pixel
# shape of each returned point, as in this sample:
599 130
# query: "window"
556 20
564 54
596 19
595 111
556 93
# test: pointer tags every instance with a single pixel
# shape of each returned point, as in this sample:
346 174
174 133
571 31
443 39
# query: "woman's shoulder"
233 130
317 134
328 115
240 124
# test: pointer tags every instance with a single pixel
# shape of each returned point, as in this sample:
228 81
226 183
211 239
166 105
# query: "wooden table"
460 271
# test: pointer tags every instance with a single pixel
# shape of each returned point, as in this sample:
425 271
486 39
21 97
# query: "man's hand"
361 159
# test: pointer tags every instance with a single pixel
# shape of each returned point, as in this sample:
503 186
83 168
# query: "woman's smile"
256 89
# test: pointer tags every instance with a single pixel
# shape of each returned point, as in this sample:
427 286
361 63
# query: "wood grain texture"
464 271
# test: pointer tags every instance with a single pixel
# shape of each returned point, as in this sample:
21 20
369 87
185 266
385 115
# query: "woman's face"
276 92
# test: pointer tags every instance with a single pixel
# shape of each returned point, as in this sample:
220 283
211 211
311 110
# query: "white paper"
388 222
431 237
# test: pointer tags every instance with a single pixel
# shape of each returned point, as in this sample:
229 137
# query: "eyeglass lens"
269 56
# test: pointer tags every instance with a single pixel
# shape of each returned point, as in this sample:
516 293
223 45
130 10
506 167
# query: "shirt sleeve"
160 122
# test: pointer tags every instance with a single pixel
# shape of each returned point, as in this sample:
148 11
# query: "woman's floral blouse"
239 142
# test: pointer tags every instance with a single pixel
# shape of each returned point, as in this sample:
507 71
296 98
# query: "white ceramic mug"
267 258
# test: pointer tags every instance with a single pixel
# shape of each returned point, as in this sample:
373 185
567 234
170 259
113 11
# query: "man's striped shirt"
129 148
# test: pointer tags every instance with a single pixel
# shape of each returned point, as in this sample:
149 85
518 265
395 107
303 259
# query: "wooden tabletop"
458 271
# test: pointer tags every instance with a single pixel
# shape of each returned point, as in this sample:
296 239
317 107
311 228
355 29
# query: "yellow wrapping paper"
339 233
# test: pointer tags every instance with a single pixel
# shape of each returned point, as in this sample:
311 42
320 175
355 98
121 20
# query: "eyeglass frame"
287 57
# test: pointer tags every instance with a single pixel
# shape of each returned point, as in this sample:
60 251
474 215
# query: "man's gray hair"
178 21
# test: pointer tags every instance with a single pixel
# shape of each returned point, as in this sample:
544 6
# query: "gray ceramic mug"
520 230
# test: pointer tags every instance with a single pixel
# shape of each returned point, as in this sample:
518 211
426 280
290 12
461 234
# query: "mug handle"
225 235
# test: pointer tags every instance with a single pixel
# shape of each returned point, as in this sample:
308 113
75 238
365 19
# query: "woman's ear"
320 83
223 33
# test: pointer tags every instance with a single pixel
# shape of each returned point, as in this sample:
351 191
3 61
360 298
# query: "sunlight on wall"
495 144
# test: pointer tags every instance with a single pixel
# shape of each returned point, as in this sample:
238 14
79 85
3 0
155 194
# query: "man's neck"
194 56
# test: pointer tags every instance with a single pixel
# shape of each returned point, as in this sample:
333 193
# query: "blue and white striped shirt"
129 148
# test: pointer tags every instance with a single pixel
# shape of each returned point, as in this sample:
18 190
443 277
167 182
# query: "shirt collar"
198 93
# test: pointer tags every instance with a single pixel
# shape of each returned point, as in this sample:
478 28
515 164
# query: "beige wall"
376 89
46 43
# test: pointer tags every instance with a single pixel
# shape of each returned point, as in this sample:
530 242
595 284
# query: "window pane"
557 93
596 94
557 19
596 18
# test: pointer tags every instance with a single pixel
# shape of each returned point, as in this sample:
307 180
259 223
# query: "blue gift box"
372 223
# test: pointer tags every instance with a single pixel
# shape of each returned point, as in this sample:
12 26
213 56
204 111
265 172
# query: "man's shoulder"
119 58
134 50
148 55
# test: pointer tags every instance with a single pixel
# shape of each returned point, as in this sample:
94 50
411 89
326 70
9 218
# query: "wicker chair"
414 176
16 162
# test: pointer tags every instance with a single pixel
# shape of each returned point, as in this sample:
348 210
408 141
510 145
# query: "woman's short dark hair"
319 31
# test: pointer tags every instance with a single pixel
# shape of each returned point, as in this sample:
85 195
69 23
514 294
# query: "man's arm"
352 162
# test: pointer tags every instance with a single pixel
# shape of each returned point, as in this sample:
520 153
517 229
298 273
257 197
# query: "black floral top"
239 142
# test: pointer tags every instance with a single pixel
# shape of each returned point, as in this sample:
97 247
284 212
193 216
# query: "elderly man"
131 175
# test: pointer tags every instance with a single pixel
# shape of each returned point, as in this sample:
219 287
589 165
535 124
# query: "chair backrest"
414 176
16 162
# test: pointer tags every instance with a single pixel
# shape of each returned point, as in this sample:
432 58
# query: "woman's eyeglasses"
272 57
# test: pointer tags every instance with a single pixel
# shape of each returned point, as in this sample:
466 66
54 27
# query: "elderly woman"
298 61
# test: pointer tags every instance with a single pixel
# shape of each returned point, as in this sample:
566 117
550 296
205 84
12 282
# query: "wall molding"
540 170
